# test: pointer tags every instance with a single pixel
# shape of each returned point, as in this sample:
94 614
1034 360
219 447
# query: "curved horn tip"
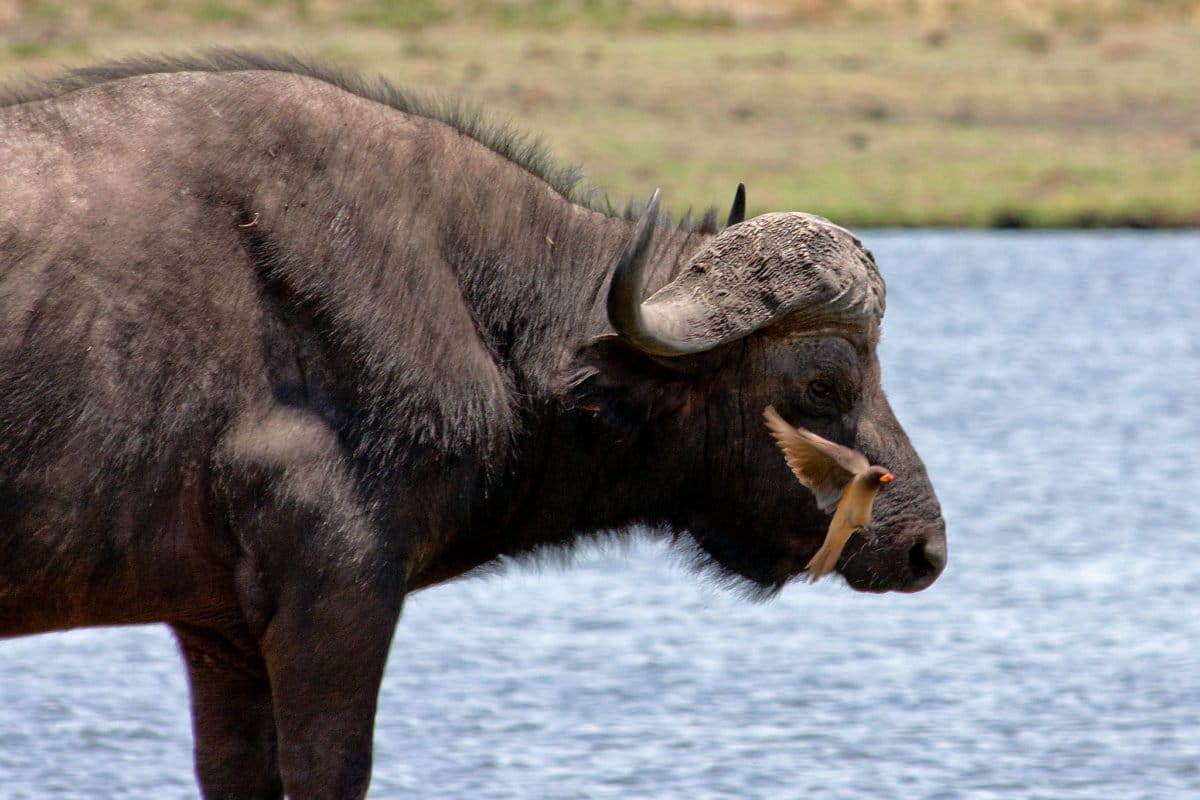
625 291
652 206
625 312
738 212
646 225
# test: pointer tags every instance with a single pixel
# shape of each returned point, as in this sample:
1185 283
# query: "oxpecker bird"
844 482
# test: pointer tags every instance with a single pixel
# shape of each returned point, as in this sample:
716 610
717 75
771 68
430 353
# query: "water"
1052 383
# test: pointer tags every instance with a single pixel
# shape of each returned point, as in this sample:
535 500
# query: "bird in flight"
843 481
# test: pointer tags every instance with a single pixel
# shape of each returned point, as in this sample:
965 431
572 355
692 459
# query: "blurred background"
1015 113
1049 379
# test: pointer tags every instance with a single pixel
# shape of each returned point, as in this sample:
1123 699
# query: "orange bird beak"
887 478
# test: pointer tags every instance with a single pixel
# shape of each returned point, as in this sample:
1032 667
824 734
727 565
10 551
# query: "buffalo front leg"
321 589
232 717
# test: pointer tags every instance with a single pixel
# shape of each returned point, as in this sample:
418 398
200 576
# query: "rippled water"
1052 383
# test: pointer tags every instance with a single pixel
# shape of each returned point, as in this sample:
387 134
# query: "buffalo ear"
623 386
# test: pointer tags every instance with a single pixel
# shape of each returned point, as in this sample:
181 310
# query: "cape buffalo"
280 345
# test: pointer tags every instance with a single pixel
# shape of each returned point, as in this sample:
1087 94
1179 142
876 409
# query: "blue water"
1051 382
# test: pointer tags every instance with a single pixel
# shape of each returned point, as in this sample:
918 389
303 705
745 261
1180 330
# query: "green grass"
23 49
1063 119
215 11
396 14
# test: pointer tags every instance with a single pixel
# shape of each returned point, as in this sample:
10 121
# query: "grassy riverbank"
882 113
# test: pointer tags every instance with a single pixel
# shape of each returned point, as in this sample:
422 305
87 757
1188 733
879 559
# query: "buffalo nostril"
927 559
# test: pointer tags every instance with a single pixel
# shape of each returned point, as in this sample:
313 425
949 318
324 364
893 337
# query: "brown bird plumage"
843 481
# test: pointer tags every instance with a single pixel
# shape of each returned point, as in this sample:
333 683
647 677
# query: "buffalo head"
783 309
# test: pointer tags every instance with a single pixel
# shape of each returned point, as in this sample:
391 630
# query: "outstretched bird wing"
824 467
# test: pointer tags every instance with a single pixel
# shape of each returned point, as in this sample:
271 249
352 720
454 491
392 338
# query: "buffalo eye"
820 391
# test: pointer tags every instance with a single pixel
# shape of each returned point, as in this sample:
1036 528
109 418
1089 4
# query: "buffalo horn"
738 212
626 312
795 271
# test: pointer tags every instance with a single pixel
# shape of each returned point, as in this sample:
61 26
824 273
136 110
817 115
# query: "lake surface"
1052 383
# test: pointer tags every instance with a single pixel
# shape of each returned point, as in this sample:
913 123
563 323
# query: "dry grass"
1045 114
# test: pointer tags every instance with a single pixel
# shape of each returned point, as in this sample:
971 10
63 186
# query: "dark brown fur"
279 345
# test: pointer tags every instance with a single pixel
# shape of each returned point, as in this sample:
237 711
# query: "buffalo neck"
537 278
534 268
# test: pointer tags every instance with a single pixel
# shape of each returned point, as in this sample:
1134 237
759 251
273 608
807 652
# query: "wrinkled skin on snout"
832 388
